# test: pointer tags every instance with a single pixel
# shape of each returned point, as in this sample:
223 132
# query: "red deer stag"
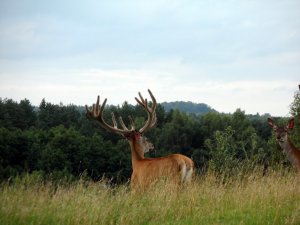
176 167
285 143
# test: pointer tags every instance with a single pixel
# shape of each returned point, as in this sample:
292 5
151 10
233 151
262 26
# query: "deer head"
281 132
133 135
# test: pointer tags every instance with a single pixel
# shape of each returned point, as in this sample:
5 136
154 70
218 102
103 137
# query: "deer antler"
151 121
96 112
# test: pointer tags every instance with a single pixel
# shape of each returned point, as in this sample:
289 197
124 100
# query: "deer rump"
175 168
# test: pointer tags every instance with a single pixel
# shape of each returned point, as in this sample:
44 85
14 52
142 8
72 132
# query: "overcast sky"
228 54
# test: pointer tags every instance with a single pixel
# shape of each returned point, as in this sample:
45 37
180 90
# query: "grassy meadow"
254 199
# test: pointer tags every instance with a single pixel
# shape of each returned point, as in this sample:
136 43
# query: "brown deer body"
285 142
176 168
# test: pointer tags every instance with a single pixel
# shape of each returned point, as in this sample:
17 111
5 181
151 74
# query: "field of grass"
255 199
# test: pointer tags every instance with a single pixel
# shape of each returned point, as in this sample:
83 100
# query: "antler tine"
143 103
138 101
122 123
132 123
154 120
153 98
151 121
146 105
97 107
97 113
88 113
114 120
141 97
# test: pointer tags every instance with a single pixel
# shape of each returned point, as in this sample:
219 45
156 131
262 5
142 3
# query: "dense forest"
188 107
60 142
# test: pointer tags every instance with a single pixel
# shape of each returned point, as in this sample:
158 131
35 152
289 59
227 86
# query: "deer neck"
292 152
137 152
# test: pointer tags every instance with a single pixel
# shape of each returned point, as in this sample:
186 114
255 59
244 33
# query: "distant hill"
188 107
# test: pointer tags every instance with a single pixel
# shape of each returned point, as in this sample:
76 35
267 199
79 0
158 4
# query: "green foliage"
51 115
14 147
223 150
188 107
61 143
177 135
295 112
295 105
16 115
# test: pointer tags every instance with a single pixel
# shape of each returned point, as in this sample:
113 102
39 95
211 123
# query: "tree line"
60 142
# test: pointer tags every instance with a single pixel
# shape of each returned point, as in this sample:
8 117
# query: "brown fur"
147 171
285 142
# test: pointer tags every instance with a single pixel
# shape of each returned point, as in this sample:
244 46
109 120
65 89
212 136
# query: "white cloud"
123 85
226 54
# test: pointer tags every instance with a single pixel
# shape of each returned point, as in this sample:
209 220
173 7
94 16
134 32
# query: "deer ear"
291 124
271 122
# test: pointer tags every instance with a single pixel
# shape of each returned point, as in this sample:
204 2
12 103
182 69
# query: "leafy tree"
177 135
51 115
212 122
28 115
16 115
295 105
224 152
295 112
13 152
261 126
188 107
47 115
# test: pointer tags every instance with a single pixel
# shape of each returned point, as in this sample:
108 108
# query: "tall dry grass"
254 199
